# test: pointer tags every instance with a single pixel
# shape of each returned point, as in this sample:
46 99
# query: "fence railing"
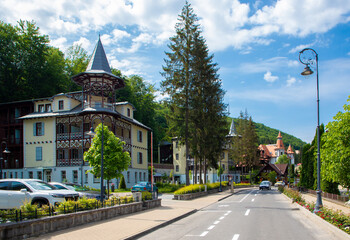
323 194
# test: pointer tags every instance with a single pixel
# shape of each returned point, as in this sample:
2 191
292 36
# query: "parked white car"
16 192
64 186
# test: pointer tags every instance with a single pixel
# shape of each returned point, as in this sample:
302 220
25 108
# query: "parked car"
82 191
144 186
16 192
280 183
265 185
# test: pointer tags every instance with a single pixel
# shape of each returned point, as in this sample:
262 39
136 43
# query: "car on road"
144 187
280 183
265 185
16 192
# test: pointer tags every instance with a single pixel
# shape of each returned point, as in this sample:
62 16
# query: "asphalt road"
249 214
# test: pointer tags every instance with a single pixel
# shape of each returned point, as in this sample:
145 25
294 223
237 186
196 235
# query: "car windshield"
142 183
38 185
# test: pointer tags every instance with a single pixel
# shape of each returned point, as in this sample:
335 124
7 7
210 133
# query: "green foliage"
146 196
245 144
294 195
272 176
167 187
122 184
199 187
115 159
283 159
335 151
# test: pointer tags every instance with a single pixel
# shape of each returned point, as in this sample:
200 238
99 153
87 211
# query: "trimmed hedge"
199 187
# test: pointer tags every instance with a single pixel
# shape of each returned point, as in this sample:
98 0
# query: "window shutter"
43 128
34 129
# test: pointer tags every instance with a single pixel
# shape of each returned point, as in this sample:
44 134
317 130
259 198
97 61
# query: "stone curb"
338 233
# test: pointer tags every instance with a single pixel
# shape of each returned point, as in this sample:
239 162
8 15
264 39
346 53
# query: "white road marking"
211 227
247 212
253 199
246 196
221 218
216 222
203 234
255 194
223 205
235 237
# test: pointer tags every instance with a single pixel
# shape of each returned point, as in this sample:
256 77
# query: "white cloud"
269 78
84 42
264 65
120 34
60 43
291 81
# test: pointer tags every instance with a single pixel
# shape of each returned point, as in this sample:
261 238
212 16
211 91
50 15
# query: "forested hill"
269 135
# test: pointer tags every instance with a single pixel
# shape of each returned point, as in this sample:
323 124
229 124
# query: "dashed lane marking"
235 237
203 233
247 212
211 227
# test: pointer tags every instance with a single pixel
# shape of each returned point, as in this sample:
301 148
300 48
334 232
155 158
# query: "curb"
338 233
152 229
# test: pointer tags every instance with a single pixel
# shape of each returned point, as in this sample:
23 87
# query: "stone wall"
36 227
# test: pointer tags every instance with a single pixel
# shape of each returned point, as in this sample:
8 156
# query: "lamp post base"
318 204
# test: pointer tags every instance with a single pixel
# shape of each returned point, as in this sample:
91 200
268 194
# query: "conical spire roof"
290 150
232 129
98 61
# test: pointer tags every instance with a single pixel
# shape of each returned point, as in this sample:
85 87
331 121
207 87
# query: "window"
177 144
223 155
135 177
60 105
75 153
17 186
140 175
39 153
40 175
139 158
96 179
38 129
75 176
177 156
60 154
128 177
47 107
63 176
16 174
30 174
86 177
60 128
144 177
11 175
223 166
139 136
177 168
41 108
128 112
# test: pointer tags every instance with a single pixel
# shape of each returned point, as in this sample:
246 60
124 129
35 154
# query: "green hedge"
199 187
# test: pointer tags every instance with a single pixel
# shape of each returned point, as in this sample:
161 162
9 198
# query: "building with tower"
55 133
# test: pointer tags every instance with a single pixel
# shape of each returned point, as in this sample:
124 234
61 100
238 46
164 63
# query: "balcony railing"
69 162
98 105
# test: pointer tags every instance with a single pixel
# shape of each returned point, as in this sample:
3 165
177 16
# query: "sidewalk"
135 225
332 204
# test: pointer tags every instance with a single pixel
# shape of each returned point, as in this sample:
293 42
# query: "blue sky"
255 43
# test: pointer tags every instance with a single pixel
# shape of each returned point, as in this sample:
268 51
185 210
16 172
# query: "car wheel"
40 202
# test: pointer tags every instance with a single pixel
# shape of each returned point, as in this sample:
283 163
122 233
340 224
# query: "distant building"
54 129
270 153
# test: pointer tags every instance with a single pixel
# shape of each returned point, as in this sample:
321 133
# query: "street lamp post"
92 133
6 151
307 71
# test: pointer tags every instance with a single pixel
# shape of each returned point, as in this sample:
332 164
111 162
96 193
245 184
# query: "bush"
168 188
146 196
122 184
199 187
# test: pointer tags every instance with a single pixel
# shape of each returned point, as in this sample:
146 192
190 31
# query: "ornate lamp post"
6 151
92 133
309 60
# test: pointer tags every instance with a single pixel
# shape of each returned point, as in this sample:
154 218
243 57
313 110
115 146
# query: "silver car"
16 192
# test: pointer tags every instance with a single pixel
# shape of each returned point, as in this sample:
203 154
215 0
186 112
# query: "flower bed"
337 218
199 188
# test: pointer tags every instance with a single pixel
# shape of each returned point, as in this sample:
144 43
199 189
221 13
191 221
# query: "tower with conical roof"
279 149
98 82
290 154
